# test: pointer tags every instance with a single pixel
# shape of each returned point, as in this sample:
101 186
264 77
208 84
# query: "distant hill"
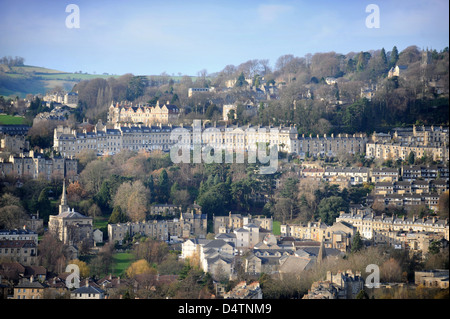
23 80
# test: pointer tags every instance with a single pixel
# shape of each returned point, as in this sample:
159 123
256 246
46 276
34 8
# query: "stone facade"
331 145
230 222
36 165
437 278
190 223
69 226
343 285
22 251
370 226
145 114
111 139
422 141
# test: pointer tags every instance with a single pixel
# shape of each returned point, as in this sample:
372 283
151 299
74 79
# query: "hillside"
27 79
22 80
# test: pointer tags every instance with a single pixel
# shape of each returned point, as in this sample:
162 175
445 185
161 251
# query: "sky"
182 37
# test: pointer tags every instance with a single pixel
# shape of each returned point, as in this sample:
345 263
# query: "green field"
100 222
9 119
276 228
121 262
22 80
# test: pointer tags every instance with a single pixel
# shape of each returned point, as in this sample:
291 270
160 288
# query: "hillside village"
90 178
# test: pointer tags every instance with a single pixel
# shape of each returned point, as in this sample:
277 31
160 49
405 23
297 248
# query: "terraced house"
191 222
330 145
422 141
370 226
36 165
111 139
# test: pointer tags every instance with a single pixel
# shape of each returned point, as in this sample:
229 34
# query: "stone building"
18 234
191 223
145 114
87 291
422 141
23 251
13 144
29 289
343 285
113 138
331 145
230 222
370 225
217 258
436 278
245 291
165 209
69 226
36 165
352 175
384 174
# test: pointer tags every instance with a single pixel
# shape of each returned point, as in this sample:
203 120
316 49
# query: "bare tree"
133 199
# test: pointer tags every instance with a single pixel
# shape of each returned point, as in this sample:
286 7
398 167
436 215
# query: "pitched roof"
87 290
294 264
72 215
29 284
35 270
218 243
17 244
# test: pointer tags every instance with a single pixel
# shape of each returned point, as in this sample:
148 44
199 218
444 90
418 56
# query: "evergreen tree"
117 216
164 186
383 57
240 80
394 57
361 63
44 205
357 243
411 158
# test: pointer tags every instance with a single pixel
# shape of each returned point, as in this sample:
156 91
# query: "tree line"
12 61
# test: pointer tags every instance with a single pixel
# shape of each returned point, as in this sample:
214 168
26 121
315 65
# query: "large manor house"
145 114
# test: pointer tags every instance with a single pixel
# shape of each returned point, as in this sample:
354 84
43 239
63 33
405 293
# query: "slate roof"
17 244
87 290
72 215
27 284
293 264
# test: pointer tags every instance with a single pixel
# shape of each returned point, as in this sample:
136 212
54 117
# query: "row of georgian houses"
135 133
110 140
413 233
36 165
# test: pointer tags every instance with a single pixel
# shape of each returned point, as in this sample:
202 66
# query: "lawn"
101 222
276 228
9 119
121 262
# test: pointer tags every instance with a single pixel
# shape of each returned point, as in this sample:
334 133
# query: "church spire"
63 206
63 197
322 254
